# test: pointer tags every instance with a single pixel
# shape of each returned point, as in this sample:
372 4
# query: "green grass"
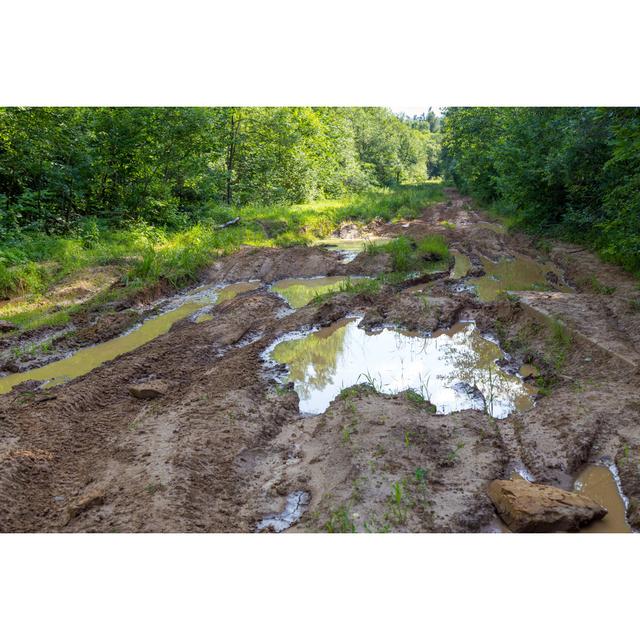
34 262
408 255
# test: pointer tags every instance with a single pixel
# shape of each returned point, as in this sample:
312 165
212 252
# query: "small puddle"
461 266
88 358
599 483
298 292
519 274
293 510
349 249
454 369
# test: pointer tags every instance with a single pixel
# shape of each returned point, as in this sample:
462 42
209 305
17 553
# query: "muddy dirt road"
223 445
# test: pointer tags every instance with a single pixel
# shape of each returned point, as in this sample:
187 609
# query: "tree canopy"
167 165
573 172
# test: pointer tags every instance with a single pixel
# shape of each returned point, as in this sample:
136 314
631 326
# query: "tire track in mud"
223 447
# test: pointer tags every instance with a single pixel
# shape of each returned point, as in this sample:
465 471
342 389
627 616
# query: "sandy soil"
226 444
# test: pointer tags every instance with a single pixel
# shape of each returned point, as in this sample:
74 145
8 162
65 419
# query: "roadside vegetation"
147 254
572 173
148 190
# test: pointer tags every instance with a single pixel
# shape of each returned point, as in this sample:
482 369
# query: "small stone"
148 390
528 507
92 499
11 366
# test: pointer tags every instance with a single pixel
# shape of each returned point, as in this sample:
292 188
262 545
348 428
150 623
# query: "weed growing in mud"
369 286
407 439
380 451
597 287
561 340
340 521
453 455
345 434
634 305
370 381
447 224
397 513
408 255
349 392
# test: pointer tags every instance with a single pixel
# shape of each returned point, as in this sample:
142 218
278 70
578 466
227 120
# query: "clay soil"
226 444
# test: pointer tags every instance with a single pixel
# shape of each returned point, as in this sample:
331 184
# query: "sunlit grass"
33 263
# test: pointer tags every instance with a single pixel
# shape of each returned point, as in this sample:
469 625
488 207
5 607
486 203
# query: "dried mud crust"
225 444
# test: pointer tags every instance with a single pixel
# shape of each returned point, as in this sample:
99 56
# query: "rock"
11 366
92 499
6 326
527 507
148 390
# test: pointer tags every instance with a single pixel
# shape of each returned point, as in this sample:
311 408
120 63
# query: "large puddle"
453 369
84 360
519 274
599 483
299 292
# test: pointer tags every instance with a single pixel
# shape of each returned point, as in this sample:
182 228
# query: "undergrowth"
33 262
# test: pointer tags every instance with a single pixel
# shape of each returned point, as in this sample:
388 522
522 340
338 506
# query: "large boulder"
527 507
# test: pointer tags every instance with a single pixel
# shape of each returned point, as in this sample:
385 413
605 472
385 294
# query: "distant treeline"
169 166
570 172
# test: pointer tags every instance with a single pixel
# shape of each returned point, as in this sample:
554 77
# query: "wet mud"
229 444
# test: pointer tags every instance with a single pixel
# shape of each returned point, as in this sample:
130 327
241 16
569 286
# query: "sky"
414 111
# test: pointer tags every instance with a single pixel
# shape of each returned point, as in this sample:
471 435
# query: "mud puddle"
349 249
600 483
462 265
453 369
298 292
84 360
293 510
521 273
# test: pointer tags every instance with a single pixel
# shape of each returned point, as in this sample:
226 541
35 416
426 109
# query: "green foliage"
340 522
409 255
172 166
568 172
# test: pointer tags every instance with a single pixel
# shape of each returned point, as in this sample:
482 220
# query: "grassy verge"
31 264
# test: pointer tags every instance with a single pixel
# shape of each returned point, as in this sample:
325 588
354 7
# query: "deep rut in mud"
229 445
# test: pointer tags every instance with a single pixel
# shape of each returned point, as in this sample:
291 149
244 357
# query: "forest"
82 186
572 173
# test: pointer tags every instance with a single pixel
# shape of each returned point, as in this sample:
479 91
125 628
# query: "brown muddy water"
521 273
453 369
599 483
84 360
298 292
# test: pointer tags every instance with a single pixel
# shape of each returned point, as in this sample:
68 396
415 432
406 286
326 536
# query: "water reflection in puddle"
89 358
520 274
600 484
454 369
298 292
349 249
461 266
